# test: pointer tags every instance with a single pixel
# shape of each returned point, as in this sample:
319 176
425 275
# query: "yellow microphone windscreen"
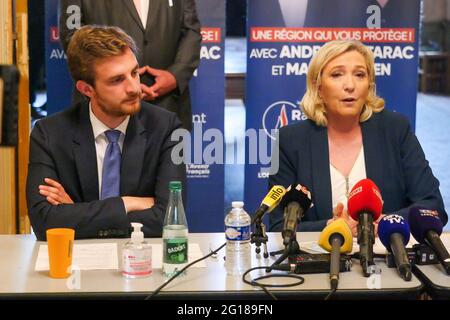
341 227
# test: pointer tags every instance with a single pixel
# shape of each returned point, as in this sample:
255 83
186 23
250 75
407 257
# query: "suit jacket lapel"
372 141
320 165
85 155
133 152
132 9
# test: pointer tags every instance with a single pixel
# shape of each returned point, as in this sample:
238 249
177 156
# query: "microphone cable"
357 256
330 294
255 283
158 290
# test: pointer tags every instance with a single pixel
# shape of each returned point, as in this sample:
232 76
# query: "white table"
18 279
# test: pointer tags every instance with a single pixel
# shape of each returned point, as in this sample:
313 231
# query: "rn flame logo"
280 114
282 118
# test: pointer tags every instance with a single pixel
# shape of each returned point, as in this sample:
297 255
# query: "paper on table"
312 247
85 257
103 256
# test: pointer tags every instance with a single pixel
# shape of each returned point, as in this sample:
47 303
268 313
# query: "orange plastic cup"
60 245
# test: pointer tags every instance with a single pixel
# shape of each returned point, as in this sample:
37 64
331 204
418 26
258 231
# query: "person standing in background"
168 37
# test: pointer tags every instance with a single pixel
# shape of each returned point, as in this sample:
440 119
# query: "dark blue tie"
111 166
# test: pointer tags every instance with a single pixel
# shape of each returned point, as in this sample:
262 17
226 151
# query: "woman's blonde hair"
311 103
91 43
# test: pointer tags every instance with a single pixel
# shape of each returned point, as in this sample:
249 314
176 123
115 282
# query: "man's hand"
137 203
165 82
54 192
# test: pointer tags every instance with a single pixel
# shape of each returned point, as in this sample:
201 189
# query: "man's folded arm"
167 171
99 218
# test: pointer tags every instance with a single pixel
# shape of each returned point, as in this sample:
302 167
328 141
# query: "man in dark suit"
167 33
102 164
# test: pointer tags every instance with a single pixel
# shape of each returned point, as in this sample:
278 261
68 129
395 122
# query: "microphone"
393 231
336 238
270 201
295 202
426 227
364 205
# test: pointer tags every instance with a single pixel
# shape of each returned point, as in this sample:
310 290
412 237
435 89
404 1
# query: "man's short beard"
121 112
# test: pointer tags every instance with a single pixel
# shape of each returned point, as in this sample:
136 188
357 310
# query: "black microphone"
393 231
426 227
295 203
291 215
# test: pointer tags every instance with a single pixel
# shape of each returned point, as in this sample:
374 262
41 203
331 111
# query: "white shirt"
143 13
341 185
101 141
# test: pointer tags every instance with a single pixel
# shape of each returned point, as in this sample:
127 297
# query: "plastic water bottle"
237 232
175 232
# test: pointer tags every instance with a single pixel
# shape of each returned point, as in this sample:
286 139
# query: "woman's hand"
375 224
339 212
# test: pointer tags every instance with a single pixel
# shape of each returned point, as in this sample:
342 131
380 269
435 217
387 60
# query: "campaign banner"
205 165
205 162
59 82
283 35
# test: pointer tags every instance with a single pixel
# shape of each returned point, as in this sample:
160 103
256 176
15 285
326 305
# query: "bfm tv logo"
280 114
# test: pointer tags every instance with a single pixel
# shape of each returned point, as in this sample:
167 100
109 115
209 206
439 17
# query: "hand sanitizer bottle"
136 255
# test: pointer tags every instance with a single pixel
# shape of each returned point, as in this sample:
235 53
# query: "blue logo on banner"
280 114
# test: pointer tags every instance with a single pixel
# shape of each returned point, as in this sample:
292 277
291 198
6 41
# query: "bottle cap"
175 185
237 204
137 236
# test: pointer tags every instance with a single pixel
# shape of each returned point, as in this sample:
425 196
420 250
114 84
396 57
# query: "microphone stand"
291 249
259 237
366 239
